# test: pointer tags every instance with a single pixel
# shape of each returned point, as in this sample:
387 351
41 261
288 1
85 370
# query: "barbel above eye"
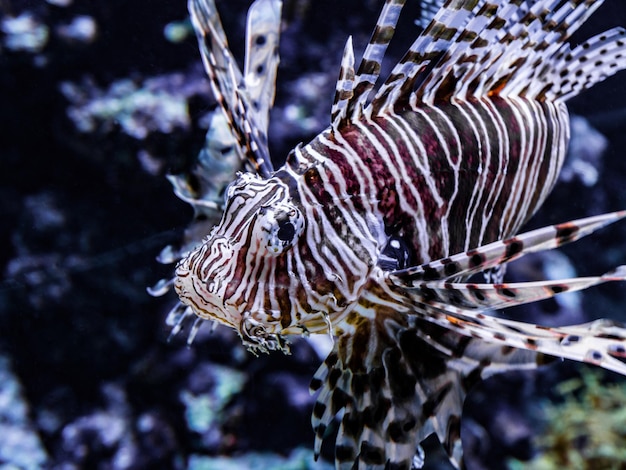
244 181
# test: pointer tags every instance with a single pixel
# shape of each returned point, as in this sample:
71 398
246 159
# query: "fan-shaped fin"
478 48
398 379
588 64
228 85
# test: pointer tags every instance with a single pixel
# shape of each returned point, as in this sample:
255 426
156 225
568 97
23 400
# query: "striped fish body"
371 231
435 180
440 179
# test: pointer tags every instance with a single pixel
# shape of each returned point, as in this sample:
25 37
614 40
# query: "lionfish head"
255 272
229 278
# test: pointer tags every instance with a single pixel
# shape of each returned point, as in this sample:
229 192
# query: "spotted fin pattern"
261 59
479 48
246 115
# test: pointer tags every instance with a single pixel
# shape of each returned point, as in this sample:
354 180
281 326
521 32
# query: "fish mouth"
256 338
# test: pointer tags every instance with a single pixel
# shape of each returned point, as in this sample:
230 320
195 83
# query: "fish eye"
282 224
286 230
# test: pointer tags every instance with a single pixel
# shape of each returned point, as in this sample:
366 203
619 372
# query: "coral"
157 104
24 33
299 459
80 29
204 409
115 436
584 160
587 430
20 446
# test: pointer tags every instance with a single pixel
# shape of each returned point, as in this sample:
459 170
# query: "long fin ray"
504 251
601 342
495 296
369 67
483 33
426 50
344 90
500 50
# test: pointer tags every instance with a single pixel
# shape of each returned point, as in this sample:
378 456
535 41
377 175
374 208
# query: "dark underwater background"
99 100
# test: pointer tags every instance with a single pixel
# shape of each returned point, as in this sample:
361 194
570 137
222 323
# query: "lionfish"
371 231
